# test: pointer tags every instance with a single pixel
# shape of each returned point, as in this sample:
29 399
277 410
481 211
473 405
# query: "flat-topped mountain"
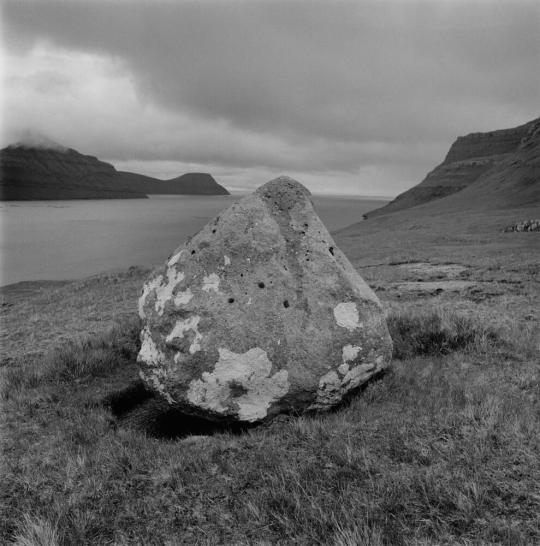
486 169
189 183
31 173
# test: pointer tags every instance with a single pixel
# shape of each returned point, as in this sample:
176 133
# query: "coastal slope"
36 173
446 230
487 168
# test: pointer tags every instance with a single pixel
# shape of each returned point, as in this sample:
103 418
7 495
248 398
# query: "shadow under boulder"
137 408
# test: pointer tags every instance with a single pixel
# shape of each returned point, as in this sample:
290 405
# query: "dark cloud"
340 84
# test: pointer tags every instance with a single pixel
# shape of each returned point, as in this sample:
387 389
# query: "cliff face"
29 173
489 144
470 159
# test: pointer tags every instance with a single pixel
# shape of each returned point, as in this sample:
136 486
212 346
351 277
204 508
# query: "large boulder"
260 313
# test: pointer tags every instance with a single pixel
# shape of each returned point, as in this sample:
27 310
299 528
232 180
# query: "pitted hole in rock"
331 250
137 408
286 304
214 230
192 252
261 284
231 300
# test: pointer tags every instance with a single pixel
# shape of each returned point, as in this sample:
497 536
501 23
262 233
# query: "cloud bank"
353 97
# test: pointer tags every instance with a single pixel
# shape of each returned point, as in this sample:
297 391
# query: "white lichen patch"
176 258
147 289
153 358
346 315
329 392
164 291
350 352
240 381
226 260
211 282
155 380
332 388
149 353
357 375
183 298
183 326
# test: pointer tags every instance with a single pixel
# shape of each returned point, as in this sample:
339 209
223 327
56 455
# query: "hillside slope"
32 173
37 173
513 181
491 166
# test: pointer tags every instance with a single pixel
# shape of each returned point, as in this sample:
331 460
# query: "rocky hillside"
507 157
30 173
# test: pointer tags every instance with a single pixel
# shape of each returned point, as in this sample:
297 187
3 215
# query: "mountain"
189 183
30 172
497 168
45 173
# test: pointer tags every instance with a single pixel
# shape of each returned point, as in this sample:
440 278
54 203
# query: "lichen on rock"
240 379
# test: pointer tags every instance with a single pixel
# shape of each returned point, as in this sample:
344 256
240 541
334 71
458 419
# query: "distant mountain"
189 183
44 173
30 172
494 169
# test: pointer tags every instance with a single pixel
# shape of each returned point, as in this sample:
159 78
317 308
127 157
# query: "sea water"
56 240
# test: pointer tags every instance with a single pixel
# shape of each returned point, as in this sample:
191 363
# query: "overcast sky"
349 97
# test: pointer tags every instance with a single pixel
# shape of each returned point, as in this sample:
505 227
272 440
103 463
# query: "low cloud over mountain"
351 96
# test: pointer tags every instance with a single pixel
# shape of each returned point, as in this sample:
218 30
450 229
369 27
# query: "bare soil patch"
427 269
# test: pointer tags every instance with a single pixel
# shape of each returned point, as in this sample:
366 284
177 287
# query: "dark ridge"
186 184
32 173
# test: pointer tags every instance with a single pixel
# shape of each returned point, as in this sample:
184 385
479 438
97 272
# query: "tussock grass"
436 333
34 531
443 449
85 357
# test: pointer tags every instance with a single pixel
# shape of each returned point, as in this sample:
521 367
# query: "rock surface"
475 158
525 225
260 313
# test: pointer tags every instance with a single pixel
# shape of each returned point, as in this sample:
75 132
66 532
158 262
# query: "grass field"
443 449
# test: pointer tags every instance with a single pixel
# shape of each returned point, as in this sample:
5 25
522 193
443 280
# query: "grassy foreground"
442 450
